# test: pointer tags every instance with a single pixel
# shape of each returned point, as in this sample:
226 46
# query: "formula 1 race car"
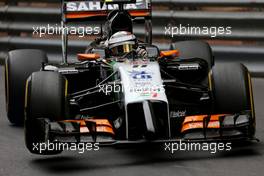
122 90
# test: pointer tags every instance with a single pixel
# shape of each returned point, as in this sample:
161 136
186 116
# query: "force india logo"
140 75
96 6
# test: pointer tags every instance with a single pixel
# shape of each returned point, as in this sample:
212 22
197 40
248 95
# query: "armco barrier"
247 26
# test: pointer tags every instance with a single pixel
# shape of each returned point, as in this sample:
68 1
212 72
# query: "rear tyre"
18 67
46 100
232 90
195 49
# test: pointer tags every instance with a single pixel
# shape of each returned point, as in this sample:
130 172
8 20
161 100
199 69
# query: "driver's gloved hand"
142 52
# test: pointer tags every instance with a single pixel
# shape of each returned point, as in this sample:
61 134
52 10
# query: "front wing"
199 128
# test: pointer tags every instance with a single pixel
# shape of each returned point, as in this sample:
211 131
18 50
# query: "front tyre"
232 90
46 100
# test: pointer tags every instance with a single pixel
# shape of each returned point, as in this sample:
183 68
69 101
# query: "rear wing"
77 9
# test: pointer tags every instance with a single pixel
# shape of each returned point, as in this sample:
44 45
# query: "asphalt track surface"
242 160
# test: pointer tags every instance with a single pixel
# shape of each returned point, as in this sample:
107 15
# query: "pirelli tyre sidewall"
46 101
232 90
19 64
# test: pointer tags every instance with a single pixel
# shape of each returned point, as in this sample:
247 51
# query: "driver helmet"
121 43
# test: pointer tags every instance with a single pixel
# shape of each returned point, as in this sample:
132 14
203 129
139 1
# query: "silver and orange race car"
122 90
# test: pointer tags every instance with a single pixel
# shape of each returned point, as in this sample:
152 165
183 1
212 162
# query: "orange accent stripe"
199 125
196 122
102 125
199 118
76 15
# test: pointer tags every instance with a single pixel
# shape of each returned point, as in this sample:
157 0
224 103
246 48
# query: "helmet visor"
122 49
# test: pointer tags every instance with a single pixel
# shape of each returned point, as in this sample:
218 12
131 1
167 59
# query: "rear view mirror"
169 53
89 56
